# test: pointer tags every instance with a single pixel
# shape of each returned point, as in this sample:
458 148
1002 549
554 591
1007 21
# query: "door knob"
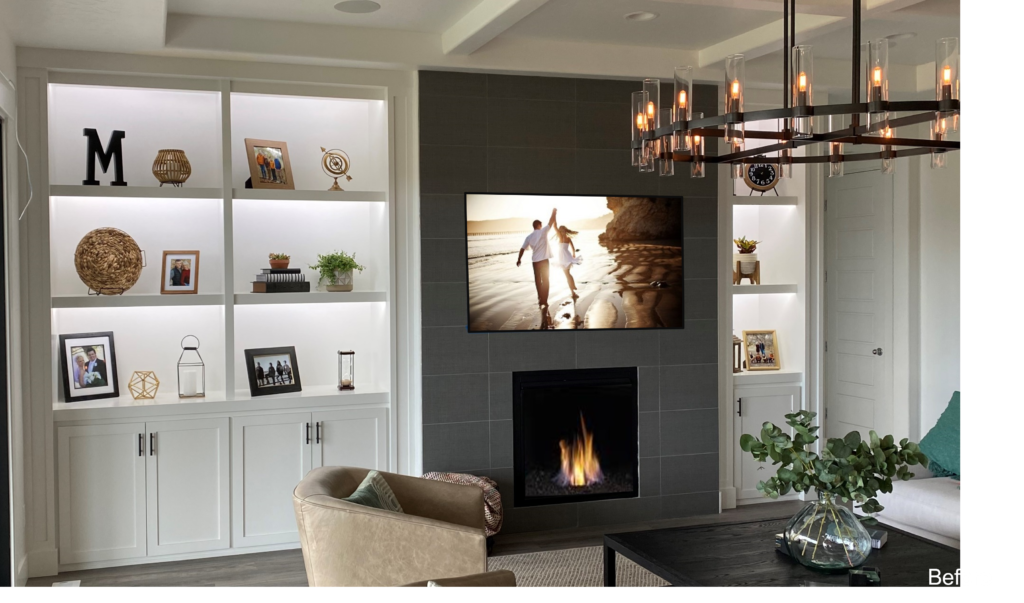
877 351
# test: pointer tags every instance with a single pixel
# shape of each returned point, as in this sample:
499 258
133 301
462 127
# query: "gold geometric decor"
108 261
144 385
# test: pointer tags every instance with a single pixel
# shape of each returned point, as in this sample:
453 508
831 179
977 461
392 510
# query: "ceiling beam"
768 38
484 22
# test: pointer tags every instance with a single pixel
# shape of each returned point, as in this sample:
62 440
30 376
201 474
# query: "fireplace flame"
580 466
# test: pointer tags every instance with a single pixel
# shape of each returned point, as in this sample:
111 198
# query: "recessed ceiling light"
357 6
640 16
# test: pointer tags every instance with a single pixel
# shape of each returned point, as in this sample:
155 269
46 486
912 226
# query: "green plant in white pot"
336 269
826 535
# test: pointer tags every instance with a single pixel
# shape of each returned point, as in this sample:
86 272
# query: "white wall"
940 287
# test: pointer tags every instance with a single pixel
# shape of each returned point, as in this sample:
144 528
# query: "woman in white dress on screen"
567 257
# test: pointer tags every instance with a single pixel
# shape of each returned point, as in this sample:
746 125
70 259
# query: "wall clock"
761 177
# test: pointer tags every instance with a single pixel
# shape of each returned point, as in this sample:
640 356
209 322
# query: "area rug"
572 567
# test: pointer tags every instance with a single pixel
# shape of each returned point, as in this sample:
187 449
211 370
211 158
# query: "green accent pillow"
942 444
375 492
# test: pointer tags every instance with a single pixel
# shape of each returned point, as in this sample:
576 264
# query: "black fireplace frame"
609 376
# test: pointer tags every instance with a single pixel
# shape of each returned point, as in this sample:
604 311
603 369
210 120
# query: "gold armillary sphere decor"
336 164
144 385
108 261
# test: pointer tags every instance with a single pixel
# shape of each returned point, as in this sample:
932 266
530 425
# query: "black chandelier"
665 136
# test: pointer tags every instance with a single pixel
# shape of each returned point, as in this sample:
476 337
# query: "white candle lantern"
346 370
191 371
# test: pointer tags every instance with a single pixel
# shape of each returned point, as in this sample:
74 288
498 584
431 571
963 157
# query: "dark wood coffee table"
743 554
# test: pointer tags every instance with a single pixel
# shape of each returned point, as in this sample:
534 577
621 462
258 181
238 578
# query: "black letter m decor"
96 151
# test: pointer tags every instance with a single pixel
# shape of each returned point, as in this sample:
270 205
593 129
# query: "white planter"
748 262
342 281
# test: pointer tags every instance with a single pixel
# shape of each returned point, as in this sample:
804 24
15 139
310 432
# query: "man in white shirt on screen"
537 242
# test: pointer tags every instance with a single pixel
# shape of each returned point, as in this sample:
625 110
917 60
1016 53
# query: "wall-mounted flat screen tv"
538 262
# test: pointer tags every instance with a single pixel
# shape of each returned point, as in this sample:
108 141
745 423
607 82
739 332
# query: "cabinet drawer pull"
151 436
309 437
142 445
318 432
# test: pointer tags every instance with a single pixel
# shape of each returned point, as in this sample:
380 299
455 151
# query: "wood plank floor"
284 568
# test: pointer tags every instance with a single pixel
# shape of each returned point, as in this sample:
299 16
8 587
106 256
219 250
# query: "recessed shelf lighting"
357 6
640 16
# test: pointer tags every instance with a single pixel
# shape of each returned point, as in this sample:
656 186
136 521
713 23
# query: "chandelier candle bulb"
735 67
802 88
697 146
682 109
653 112
641 150
878 83
947 76
888 159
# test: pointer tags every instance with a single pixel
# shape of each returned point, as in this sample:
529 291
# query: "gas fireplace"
575 435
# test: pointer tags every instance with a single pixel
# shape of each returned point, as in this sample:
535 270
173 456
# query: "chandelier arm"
855 61
785 54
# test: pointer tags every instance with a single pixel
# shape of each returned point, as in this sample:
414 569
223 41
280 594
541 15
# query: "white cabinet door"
351 438
270 454
101 473
188 487
757 405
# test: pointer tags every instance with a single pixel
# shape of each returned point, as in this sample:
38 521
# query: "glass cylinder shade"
346 370
735 73
785 163
191 370
666 163
878 81
682 105
803 74
947 78
835 149
888 158
939 132
642 157
697 169
653 112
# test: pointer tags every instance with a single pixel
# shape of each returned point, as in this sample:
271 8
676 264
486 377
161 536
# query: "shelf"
135 301
168 404
766 377
284 195
313 297
144 192
764 200
762 289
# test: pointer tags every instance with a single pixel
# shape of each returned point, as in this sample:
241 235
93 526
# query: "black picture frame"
257 389
70 339
682 254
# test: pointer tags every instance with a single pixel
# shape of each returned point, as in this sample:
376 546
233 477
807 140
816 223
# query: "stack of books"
280 280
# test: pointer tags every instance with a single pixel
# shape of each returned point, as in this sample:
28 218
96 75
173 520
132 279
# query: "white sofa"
927 506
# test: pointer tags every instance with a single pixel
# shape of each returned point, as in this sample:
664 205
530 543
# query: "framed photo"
272 371
269 164
761 349
180 272
88 367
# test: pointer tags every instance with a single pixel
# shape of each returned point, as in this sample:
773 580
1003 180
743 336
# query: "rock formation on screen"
643 219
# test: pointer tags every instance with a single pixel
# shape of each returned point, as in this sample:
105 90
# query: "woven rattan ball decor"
108 261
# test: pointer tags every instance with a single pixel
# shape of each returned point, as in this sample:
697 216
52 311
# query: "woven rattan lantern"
171 167
108 261
144 385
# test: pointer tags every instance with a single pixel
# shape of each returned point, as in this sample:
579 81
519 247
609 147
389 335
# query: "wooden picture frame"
272 177
81 383
188 273
263 383
765 355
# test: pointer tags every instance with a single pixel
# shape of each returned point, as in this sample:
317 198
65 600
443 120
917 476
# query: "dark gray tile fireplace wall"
517 134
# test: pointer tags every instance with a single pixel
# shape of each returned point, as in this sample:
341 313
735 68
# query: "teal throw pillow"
942 444
375 492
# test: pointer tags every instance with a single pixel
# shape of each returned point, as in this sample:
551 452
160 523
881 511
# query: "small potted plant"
747 259
336 268
279 261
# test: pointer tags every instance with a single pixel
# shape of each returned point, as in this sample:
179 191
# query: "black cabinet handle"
142 445
151 443
308 436
318 432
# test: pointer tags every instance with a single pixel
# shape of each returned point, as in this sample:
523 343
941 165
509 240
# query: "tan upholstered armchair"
440 535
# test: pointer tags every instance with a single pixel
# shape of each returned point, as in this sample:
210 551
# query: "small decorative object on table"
191 371
280 280
88 366
746 263
336 164
171 167
825 535
95 152
108 261
273 371
737 354
180 272
336 268
280 261
143 385
346 370
865 576
761 177
269 164
761 349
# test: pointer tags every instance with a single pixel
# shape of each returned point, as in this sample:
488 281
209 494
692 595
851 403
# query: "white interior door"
755 406
101 473
859 304
270 454
351 438
188 489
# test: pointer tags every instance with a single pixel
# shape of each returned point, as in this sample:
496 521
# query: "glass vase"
827 537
